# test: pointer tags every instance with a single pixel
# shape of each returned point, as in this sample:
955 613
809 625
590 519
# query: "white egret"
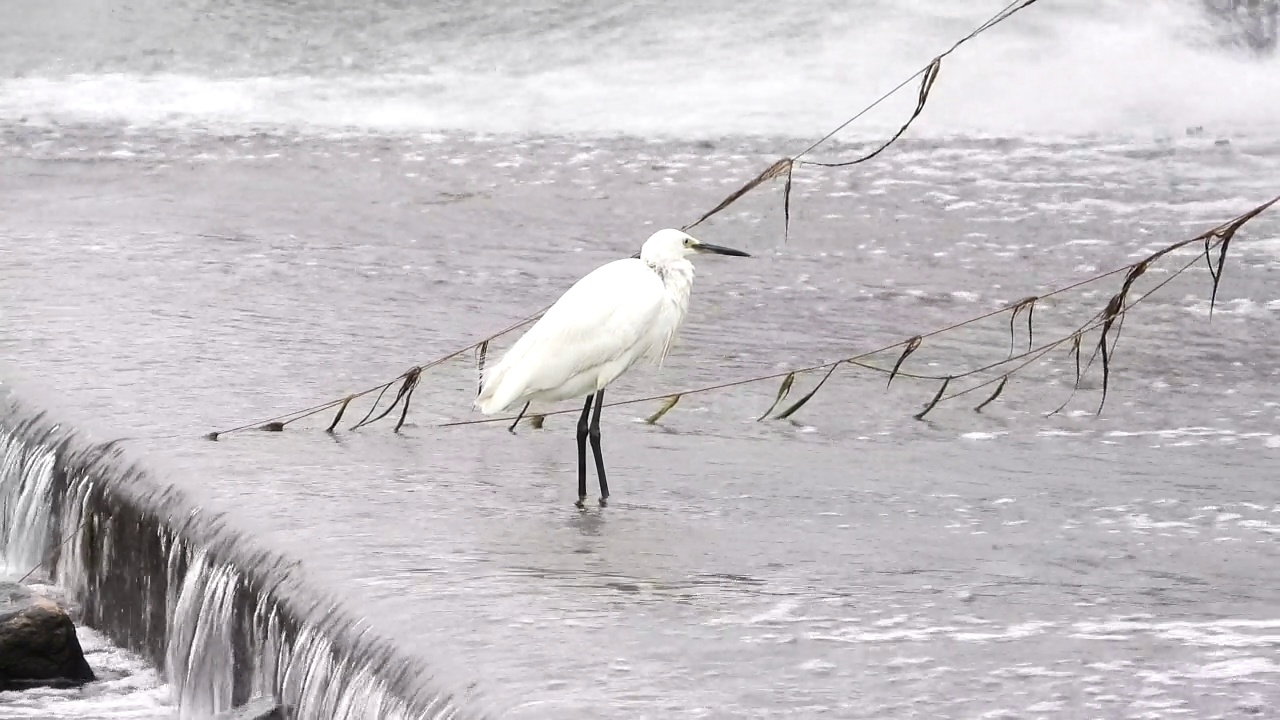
616 315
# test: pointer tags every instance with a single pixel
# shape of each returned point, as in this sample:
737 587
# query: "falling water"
27 472
160 577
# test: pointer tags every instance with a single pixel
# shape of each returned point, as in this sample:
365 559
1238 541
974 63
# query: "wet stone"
38 644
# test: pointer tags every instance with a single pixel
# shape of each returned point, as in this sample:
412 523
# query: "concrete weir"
223 620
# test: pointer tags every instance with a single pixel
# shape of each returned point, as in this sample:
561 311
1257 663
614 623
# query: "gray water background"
173 271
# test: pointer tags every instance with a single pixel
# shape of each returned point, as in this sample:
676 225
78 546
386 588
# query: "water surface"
173 267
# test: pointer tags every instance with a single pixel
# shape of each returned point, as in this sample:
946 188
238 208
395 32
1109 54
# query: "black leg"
582 452
512 429
594 432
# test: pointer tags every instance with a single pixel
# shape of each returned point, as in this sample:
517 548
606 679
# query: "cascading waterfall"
23 499
161 577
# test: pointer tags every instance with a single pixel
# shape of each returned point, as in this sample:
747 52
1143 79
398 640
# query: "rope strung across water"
1103 320
1214 240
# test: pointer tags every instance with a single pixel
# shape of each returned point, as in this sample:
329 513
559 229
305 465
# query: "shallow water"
855 563
217 237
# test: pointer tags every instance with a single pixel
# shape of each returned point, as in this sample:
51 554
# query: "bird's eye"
688 242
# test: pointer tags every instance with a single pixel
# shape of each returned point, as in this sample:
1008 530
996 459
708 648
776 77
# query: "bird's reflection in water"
589 524
685 589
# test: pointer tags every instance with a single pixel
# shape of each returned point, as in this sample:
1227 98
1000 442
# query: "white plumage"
620 313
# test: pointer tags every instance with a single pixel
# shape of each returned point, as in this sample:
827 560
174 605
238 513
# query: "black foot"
604 501
582 503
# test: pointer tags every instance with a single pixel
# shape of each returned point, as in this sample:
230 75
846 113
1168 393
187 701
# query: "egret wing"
606 318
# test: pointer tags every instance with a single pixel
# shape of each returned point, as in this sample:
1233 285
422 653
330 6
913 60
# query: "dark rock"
38 644
260 708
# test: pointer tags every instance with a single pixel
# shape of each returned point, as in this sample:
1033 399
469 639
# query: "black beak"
720 250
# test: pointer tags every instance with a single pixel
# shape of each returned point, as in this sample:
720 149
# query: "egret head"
670 244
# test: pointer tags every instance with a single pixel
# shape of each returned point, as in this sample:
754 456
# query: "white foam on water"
1116 69
1027 670
1235 306
1237 668
1239 633
1195 431
860 635
127 688
907 661
1013 632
